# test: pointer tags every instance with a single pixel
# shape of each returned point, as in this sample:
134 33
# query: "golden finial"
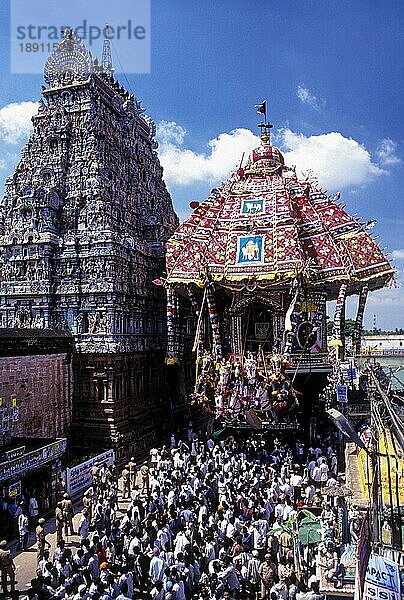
264 137
265 126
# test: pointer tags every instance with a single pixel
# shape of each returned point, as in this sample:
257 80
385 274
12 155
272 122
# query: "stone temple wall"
122 400
42 388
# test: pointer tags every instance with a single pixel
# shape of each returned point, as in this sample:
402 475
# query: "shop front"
28 468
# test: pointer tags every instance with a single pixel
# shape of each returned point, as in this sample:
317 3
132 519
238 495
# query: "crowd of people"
204 519
37 500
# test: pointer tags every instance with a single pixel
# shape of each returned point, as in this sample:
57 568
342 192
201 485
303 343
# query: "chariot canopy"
258 259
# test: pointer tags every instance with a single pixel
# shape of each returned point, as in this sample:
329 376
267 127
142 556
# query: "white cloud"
15 121
386 297
398 254
386 152
183 166
168 132
337 161
305 96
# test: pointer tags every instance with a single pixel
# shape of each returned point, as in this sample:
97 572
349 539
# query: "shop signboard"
342 393
32 461
78 478
15 453
5 420
348 370
14 490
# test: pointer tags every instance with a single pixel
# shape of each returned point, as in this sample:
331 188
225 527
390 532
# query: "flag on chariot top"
262 108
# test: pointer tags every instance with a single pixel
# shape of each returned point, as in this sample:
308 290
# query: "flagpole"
265 126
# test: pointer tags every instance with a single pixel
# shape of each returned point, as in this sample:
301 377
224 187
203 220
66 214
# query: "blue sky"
323 66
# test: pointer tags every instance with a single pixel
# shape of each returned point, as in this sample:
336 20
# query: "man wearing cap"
132 472
67 508
268 576
41 540
87 505
7 568
125 482
142 481
59 520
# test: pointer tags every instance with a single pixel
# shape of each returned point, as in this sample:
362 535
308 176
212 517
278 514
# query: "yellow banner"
365 473
391 471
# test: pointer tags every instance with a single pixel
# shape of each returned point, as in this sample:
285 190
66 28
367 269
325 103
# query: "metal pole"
375 475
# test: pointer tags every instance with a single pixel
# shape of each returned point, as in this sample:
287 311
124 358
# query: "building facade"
383 343
36 386
83 224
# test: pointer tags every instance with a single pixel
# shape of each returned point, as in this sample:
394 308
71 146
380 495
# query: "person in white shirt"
210 444
127 578
154 457
309 493
94 567
281 591
209 552
334 464
288 510
23 531
181 541
296 483
83 525
316 475
317 452
178 589
228 575
157 566
279 509
324 471
33 510
311 465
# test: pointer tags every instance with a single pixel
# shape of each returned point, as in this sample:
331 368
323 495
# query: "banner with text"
78 478
382 580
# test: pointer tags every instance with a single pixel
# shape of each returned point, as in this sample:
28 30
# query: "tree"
348 329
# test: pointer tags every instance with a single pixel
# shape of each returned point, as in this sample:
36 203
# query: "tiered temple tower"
83 224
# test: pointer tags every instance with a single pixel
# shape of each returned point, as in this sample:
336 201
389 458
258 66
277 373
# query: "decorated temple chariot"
258 260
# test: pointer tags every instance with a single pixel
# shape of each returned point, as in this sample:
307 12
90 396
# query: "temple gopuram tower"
83 224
